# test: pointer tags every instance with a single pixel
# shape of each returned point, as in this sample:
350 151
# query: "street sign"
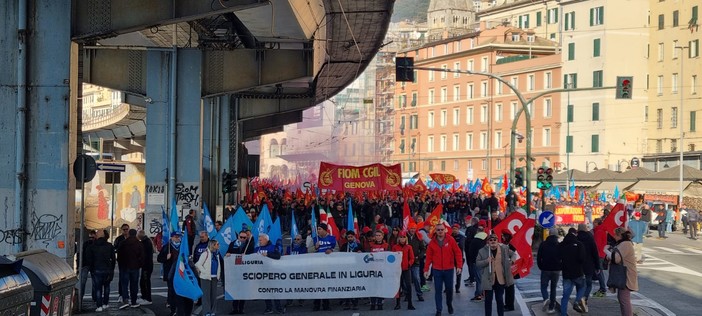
88 164
111 167
547 219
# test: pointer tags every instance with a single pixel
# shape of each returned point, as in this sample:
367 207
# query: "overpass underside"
200 77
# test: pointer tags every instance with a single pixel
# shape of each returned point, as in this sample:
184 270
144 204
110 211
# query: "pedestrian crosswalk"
672 250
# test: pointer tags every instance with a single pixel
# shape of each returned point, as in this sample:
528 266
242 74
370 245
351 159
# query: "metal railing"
112 116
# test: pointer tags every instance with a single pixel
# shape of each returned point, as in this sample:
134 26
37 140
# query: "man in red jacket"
443 255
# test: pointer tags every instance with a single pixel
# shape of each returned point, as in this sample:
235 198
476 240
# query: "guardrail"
115 115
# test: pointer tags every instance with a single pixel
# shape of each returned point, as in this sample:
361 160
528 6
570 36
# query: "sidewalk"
89 310
600 307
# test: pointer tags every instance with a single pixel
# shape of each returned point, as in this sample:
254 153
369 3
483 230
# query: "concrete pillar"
215 151
40 214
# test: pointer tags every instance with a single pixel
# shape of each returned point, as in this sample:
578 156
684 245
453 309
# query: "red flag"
600 239
435 217
512 223
505 184
521 241
287 196
406 216
617 218
487 187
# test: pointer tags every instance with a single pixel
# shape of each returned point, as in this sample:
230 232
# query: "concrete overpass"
200 77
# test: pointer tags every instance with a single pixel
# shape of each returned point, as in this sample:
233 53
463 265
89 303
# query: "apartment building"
673 84
460 124
599 45
542 17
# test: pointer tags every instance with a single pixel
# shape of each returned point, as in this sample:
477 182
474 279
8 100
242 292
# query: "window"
674 83
469 115
694 48
455 164
659 146
524 21
693 84
483 165
401 101
676 18
596 16
538 18
515 37
402 146
430 144
483 140
456 93
548 80
693 119
552 16
457 68
414 121
444 73
548 108
431 75
530 83
570 81
498 139
483 113
470 164
675 49
661 52
513 110
597 78
431 96
659 118
443 165
456 116
498 88
569 144
455 142
570 21
416 75
430 165
442 145
515 82
498 112
484 64
430 117
596 47
546 139
470 91
483 89
498 164
659 89
402 124
431 51
444 95
595 146
444 117
661 21
646 113
571 51
470 65
570 113
673 117
469 141
596 111
414 99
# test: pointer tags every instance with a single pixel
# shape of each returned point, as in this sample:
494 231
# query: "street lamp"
682 133
619 168
587 166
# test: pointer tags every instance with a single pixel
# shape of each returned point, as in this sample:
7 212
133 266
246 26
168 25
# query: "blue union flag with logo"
184 280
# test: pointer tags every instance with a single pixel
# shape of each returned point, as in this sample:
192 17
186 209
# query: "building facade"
460 124
542 17
449 18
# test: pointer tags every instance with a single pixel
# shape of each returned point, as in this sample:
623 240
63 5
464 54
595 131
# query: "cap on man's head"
366 230
553 231
179 234
403 234
456 226
412 226
482 223
322 226
637 214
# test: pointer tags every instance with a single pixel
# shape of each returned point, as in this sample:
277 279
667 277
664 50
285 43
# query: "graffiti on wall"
46 227
187 195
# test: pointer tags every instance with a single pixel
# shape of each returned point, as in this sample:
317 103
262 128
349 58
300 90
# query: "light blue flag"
572 188
226 234
241 221
165 227
603 197
499 185
313 224
275 235
293 227
615 195
349 220
477 186
184 281
557 193
263 223
175 219
209 224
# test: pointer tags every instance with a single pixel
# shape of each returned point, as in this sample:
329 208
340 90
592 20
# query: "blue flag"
572 188
175 220
165 227
313 224
603 197
209 224
615 195
276 235
349 220
293 226
226 234
557 193
263 223
184 281
241 221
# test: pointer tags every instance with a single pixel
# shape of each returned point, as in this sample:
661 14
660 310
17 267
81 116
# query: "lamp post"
682 132
587 166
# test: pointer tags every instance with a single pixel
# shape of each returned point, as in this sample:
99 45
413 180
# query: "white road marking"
693 250
671 250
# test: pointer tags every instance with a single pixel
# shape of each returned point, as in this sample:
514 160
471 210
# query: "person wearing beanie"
406 264
572 254
495 263
324 243
351 245
378 245
549 262
445 259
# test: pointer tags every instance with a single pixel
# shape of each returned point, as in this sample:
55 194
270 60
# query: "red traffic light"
541 170
549 171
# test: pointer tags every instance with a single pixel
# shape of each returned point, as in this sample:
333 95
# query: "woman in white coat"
209 266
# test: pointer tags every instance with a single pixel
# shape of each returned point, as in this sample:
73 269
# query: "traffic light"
624 87
519 177
404 69
229 181
549 178
540 183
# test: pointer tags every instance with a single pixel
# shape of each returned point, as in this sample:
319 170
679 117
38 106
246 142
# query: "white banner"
313 276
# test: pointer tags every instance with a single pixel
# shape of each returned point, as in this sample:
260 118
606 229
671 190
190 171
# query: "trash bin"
53 281
15 288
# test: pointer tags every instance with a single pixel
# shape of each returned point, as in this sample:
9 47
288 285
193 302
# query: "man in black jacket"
591 265
243 245
147 268
476 244
130 257
549 262
100 258
461 241
471 230
419 248
168 256
572 254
